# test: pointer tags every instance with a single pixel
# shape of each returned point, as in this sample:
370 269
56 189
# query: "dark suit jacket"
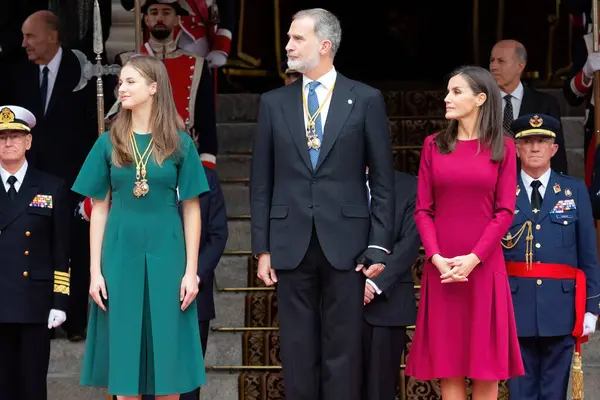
34 245
63 136
534 102
396 306
212 243
288 197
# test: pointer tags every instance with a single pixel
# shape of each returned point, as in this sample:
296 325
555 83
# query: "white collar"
327 80
544 179
20 174
54 64
517 93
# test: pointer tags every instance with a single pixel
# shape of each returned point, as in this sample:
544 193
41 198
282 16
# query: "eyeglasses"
13 137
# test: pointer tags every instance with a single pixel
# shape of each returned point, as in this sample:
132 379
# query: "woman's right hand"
98 290
443 266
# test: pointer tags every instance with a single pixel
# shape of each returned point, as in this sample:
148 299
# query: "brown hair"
164 123
489 121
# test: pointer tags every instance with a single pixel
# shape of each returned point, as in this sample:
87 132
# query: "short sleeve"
94 176
191 181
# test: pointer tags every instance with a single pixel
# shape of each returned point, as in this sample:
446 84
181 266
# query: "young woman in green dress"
143 333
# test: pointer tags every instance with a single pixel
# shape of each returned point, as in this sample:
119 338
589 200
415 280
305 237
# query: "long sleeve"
506 198
425 208
215 230
407 241
261 180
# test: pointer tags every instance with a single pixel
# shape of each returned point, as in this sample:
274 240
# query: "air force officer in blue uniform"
552 263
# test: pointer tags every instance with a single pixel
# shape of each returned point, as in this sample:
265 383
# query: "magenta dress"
465 204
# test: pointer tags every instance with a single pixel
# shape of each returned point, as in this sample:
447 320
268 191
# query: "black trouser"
195 395
24 358
382 352
320 319
79 246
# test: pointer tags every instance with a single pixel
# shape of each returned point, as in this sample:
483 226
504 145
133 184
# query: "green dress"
143 343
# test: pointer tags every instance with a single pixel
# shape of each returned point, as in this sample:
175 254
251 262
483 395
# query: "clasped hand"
455 269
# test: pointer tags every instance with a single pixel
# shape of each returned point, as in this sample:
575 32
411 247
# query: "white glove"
589 323
56 318
216 59
591 65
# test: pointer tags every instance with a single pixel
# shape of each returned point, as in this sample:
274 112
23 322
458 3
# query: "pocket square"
42 201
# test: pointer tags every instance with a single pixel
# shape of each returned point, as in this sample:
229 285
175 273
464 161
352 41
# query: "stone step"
234 166
575 161
239 107
573 131
237 199
239 235
220 386
224 349
235 136
232 272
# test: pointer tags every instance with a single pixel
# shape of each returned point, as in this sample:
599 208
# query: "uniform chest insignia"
42 201
556 188
568 192
564 206
518 190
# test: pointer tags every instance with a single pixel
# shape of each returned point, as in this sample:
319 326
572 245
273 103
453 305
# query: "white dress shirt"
53 67
544 179
20 175
516 100
327 81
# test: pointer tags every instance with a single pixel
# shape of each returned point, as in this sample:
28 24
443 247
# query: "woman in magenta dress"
465 203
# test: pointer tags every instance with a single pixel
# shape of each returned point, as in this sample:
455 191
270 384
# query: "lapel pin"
556 188
518 190
349 101
568 192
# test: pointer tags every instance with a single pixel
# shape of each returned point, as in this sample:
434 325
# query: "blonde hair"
165 122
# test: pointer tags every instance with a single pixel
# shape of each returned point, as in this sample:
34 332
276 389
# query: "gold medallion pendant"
141 186
312 139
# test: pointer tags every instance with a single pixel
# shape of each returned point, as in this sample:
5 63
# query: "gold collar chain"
313 141
141 187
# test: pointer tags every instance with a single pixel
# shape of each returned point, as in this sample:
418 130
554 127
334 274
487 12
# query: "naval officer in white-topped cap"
34 272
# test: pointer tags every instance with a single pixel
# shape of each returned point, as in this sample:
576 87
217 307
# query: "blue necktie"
313 106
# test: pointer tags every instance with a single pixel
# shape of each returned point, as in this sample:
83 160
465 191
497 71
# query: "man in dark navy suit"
552 263
212 244
390 304
34 266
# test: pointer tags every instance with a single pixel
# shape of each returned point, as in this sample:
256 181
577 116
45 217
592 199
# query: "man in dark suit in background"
390 304
34 266
65 132
312 230
507 62
14 12
212 244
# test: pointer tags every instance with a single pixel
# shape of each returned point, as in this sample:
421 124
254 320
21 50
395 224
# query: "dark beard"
160 33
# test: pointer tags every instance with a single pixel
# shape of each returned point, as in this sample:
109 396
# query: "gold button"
537 245
25 273
538 227
26 252
192 67
189 87
27 233
539 282
538 262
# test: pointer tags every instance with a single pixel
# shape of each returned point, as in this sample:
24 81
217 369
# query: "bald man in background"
507 62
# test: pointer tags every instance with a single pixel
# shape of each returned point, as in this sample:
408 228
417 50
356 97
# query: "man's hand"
56 318
589 323
369 293
371 262
265 273
591 65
